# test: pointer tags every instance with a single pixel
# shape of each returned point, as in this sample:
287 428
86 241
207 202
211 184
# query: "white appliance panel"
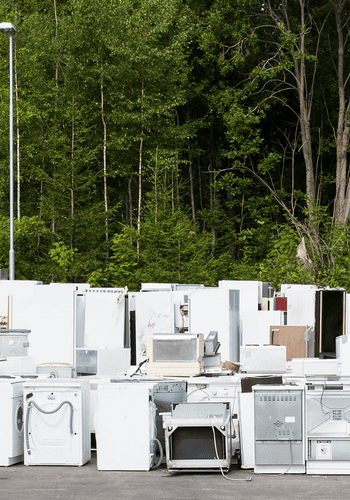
154 314
249 293
255 326
125 426
104 317
217 310
11 424
263 359
49 314
62 437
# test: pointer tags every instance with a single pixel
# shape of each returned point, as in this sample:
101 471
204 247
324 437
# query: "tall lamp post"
10 30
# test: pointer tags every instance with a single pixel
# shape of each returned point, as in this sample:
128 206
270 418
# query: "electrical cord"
291 460
46 412
156 441
219 462
321 401
139 367
200 389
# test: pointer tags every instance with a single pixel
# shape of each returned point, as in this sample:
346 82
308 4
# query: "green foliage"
62 258
198 96
171 249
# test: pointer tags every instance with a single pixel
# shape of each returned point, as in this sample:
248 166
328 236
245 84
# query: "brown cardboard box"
293 337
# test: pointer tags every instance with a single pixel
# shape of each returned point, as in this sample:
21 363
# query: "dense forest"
177 141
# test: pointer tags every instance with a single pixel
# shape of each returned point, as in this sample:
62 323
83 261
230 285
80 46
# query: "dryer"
56 422
11 422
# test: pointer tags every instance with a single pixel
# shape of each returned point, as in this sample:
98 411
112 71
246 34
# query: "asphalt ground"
20 482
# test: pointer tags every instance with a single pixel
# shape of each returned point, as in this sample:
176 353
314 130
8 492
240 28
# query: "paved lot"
19 482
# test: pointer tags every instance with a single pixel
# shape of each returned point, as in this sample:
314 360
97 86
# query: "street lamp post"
10 30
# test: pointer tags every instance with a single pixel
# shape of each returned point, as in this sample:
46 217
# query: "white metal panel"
125 426
210 311
255 326
49 314
11 425
315 366
104 317
250 293
18 365
156 287
263 359
246 429
347 314
154 314
48 437
300 304
343 353
14 288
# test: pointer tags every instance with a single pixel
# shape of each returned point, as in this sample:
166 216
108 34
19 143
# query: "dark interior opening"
195 443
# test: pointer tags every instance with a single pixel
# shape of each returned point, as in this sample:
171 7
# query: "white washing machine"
56 422
11 421
125 426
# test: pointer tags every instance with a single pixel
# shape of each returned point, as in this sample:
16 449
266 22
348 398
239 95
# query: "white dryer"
56 422
11 422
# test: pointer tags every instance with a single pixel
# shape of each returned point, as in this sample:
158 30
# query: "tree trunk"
155 189
177 164
342 198
191 183
104 166
72 185
305 100
131 216
53 224
140 171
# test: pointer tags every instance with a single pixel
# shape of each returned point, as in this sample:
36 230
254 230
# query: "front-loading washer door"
17 425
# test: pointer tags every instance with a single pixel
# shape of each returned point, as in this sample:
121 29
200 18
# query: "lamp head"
7 28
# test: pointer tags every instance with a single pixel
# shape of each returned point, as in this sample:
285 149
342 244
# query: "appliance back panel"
278 415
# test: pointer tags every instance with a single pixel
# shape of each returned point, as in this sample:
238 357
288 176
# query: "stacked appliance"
102 361
56 422
328 425
11 424
198 436
126 425
279 429
223 389
343 354
263 359
246 415
14 357
175 354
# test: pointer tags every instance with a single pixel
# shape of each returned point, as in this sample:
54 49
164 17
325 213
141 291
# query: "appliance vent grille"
336 414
